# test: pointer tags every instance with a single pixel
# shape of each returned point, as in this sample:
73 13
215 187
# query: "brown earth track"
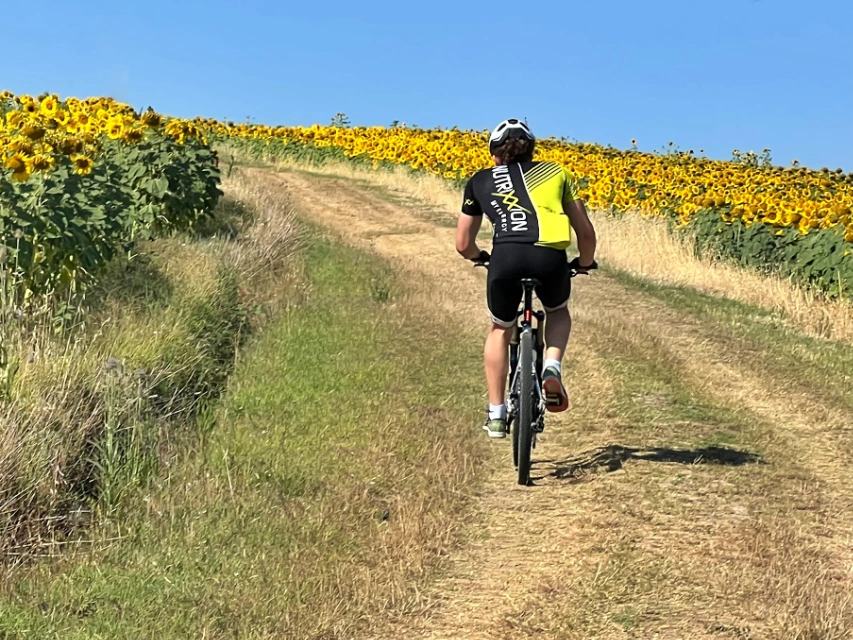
648 550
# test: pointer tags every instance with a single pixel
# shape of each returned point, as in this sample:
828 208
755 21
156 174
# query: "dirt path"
645 550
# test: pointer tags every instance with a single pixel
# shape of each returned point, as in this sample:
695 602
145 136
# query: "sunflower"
30 108
132 136
49 106
83 164
33 132
174 128
42 162
70 146
151 119
115 130
20 165
15 119
23 145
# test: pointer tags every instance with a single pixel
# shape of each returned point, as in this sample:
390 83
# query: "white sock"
497 411
554 364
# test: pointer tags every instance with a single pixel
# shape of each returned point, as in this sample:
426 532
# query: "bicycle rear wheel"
523 433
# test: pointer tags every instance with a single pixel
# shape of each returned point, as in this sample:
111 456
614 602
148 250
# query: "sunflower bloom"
42 162
22 145
16 119
33 132
20 166
49 106
83 164
151 119
132 136
115 131
70 146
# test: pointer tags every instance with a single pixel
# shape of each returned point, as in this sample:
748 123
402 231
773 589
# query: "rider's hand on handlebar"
481 260
575 265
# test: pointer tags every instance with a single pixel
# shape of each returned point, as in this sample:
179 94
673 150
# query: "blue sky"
718 76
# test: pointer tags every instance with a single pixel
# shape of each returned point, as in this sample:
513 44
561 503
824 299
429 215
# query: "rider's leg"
496 358
554 294
503 294
558 327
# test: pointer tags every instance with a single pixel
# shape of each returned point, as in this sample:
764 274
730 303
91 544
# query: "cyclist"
532 207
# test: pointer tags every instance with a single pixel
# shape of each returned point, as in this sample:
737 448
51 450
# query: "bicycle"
526 404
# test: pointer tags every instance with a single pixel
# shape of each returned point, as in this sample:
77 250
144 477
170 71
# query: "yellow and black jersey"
524 202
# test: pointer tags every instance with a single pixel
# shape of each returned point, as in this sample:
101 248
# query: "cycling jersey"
524 202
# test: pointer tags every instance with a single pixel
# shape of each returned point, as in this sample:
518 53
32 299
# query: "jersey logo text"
506 192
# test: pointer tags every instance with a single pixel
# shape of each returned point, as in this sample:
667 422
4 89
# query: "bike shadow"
613 456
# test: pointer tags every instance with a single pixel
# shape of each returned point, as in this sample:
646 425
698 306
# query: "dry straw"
643 247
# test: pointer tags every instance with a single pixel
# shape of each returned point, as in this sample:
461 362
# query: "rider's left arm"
467 228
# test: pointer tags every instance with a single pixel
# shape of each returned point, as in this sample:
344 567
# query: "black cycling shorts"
512 261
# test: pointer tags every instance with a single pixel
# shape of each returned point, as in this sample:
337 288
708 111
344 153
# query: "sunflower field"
81 180
793 220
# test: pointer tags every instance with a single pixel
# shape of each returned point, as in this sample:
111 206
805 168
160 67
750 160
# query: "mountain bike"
526 404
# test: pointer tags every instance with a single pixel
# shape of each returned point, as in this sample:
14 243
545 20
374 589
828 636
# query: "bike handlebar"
574 267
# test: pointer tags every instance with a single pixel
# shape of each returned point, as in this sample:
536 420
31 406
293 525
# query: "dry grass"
150 348
266 250
336 478
662 547
386 564
770 542
640 246
60 402
644 247
425 188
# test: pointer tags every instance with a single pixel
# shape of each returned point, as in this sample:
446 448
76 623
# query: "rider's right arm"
584 231
468 224
470 206
467 228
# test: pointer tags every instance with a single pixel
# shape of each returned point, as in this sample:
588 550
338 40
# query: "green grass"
95 408
335 474
823 368
652 398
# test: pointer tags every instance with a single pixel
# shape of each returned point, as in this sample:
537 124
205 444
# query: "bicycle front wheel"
523 434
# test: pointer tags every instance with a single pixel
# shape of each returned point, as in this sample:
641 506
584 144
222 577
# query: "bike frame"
528 321
525 322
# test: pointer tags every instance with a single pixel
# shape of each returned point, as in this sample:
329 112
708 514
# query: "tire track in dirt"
532 549
494 573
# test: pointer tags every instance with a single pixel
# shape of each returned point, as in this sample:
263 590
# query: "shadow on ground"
612 458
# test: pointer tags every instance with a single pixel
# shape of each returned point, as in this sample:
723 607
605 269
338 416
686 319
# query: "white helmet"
511 128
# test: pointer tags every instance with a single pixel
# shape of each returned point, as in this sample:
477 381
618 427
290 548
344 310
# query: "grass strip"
335 477
773 342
